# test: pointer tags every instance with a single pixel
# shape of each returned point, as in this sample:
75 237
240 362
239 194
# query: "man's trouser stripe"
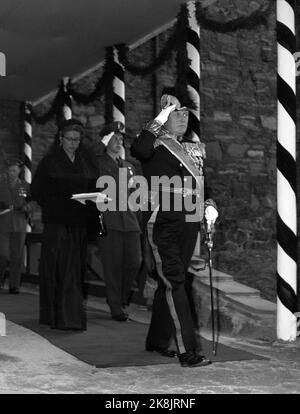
168 285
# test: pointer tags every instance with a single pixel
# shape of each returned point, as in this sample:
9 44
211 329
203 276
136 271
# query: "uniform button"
180 165
185 179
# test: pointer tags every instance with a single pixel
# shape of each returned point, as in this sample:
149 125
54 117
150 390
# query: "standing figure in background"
120 249
14 213
66 170
172 228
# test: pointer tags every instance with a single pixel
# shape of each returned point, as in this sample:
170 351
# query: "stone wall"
10 131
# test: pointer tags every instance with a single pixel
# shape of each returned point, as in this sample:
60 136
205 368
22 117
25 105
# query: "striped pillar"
119 93
286 173
2 64
193 53
119 89
67 106
28 149
27 143
193 78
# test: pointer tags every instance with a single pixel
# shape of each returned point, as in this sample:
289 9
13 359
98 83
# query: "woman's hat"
71 125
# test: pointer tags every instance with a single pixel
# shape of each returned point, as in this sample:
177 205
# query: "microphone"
210 226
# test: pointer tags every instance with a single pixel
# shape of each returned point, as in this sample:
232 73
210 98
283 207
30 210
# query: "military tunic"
13 228
120 249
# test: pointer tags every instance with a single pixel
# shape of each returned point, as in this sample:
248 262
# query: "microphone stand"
209 243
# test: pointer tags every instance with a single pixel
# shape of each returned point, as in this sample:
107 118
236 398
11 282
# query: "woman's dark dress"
63 253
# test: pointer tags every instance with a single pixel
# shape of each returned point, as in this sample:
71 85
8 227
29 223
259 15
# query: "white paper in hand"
7 210
95 197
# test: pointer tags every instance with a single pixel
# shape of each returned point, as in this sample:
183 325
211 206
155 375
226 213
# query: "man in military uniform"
164 151
120 248
14 210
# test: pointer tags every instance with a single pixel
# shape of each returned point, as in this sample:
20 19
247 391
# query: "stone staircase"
239 309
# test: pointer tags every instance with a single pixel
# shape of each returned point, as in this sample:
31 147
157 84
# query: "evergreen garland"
96 93
54 110
256 18
175 43
179 32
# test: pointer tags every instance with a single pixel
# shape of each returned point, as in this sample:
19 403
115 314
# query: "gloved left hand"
211 214
210 211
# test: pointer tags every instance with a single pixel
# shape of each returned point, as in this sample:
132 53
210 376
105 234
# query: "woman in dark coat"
66 170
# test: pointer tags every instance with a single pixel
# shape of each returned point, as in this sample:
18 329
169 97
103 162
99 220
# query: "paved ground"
30 364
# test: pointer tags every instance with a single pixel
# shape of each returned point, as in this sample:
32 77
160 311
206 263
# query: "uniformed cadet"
172 232
14 211
120 248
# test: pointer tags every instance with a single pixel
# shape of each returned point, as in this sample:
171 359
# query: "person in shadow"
15 209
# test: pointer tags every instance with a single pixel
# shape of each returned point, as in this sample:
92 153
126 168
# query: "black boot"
193 359
162 351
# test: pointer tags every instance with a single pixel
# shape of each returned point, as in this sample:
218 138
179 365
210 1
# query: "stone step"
255 305
238 314
239 308
204 273
230 287
224 282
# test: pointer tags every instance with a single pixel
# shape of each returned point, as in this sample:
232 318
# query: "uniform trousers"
121 259
12 249
173 242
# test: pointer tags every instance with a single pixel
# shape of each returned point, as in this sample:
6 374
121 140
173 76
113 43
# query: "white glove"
107 138
163 116
122 152
211 214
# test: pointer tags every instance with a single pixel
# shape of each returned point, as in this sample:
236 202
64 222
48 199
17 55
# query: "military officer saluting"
164 151
120 248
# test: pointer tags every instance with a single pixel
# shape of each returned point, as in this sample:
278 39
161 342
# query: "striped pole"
119 89
193 78
286 173
193 53
119 93
27 143
67 106
28 149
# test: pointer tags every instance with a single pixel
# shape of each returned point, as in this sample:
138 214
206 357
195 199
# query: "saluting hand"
163 116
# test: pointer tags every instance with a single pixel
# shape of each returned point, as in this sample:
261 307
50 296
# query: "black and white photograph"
148 200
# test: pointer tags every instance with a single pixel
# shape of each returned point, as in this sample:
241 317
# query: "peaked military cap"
115 126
